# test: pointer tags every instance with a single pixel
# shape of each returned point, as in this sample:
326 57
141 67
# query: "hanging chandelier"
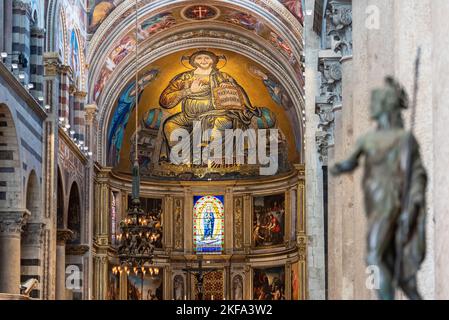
138 231
138 235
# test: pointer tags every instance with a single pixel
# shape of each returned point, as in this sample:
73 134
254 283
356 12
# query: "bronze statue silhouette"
394 186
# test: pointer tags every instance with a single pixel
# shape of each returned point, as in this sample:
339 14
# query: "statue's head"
389 99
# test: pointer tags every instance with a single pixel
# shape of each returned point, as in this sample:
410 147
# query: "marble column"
62 237
247 223
229 221
51 76
313 171
2 26
11 223
167 222
90 120
78 110
21 11
31 255
36 63
188 228
7 43
64 95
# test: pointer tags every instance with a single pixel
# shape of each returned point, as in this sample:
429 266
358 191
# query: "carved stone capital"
65 70
339 26
80 95
33 233
90 111
52 63
22 5
37 33
76 250
72 89
102 240
301 168
323 141
12 221
329 100
63 235
331 77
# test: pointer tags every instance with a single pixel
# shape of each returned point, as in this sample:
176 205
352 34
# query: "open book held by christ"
229 97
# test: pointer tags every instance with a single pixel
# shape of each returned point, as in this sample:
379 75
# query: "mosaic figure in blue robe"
125 106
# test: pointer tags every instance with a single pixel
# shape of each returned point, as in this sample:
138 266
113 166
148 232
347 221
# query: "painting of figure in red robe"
268 220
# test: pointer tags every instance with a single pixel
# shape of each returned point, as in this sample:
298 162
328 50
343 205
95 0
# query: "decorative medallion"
200 12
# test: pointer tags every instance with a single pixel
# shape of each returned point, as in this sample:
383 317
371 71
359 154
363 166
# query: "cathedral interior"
98 99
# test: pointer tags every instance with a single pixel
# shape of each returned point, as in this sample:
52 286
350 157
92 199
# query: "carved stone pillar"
335 126
64 93
78 125
188 209
167 222
301 236
11 223
247 222
100 263
36 65
178 224
51 76
21 16
90 113
238 223
102 207
62 237
229 222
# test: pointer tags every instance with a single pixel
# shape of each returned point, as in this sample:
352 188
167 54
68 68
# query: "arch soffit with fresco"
174 40
126 71
122 20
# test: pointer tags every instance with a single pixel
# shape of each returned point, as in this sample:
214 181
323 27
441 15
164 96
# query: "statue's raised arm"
349 164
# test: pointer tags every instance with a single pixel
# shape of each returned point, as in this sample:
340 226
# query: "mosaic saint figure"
396 214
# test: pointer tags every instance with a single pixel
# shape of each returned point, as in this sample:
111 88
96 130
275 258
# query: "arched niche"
10 177
74 214
60 202
33 197
31 243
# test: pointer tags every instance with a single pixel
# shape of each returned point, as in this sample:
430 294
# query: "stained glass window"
208 224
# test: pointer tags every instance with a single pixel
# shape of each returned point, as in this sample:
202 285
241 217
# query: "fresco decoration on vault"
99 11
127 45
185 15
71 38
75 58
209 91
295 7
275 89
200 12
